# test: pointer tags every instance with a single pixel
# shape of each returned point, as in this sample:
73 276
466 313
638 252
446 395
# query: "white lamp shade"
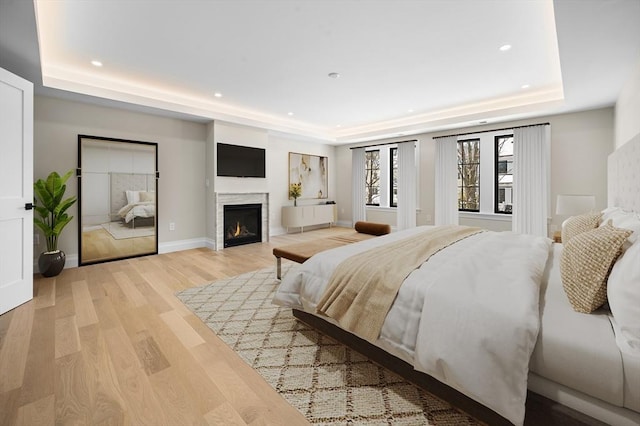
569 205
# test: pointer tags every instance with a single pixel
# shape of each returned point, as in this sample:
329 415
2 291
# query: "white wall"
244 136
278 150
580 144
628 109
181 158
276 183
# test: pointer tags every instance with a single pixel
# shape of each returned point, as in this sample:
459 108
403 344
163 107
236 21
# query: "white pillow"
133 197
623 293
608 213
147 196
623 219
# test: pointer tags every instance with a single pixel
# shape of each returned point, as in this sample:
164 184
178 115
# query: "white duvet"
468 316
140 209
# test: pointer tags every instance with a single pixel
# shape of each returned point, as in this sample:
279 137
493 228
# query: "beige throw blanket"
363 287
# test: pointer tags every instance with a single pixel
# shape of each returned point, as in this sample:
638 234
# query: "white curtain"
406 186
531 163
446 191
358 194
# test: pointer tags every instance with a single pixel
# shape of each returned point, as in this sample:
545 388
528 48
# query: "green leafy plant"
51 208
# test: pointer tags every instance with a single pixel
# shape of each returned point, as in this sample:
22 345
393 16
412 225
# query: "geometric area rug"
329 383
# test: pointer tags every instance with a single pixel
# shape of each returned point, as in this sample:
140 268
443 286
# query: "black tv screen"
240 161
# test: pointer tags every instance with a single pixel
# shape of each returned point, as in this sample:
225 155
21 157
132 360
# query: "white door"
16 191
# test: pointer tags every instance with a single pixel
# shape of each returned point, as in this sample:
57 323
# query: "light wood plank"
40 412
13 355
108 406
85 312
46 295
140 399
182 329
39 373
224 415
129 289
74 390
67 339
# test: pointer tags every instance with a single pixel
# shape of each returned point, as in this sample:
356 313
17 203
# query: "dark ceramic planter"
51 263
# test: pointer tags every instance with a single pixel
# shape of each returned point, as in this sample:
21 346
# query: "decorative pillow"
133 197
147 196
372 228
578 224
586 262
623 292
623 219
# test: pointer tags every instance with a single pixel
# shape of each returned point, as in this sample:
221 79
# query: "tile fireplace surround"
234 198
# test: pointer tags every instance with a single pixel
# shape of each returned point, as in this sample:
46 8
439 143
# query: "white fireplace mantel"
235 198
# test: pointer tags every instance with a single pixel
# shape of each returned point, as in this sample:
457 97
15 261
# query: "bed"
133 199
140 209
509 305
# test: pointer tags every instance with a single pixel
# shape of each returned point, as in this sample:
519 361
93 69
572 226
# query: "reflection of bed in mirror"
133 200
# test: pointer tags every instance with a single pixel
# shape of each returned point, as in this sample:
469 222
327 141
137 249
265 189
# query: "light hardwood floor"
110 344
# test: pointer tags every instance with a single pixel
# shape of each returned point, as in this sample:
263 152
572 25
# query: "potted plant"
52 209
295 190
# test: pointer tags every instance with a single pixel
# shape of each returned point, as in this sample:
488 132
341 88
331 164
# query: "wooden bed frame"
539 410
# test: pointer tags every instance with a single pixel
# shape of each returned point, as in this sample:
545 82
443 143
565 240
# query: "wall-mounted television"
240 161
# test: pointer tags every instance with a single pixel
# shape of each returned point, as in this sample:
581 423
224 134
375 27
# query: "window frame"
477 185
496 163
392 169
366 170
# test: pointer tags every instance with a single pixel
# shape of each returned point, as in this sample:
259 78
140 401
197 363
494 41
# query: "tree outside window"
469 175
372 180
504 174
394 177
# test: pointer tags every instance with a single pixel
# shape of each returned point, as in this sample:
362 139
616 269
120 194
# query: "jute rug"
326 381
120 231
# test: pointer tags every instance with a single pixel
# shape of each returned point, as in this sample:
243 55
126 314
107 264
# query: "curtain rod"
382 144
492 130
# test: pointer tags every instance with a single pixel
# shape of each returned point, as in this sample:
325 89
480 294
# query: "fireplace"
242 224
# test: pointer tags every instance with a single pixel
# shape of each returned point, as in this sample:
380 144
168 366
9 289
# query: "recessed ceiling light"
96 63
333 75
524 86
217 95
289 113
409 110
338 125
505 47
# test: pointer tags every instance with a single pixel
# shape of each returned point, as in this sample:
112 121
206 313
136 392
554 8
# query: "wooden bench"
300 252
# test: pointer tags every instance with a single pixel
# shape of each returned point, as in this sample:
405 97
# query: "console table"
301 216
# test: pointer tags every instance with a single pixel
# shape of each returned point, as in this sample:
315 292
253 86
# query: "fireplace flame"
235 234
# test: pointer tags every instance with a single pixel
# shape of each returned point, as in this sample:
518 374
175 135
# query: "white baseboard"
192 243
210 243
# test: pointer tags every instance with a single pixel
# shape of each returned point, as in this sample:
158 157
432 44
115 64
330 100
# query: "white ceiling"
405 66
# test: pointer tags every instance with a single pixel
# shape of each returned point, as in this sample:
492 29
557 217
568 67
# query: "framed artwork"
311 173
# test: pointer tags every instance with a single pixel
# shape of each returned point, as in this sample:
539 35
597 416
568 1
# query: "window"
394 177
469 175
504 174
372 177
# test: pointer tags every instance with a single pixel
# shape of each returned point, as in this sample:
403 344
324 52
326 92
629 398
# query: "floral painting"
311 173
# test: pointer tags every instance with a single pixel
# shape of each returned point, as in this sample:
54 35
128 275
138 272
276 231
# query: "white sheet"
470 324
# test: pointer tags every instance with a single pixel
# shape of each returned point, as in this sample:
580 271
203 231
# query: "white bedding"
139 209
468 316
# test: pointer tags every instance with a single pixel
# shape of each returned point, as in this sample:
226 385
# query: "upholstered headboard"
121 182
623 180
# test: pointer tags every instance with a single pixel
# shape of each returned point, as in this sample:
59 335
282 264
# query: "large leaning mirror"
117 183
